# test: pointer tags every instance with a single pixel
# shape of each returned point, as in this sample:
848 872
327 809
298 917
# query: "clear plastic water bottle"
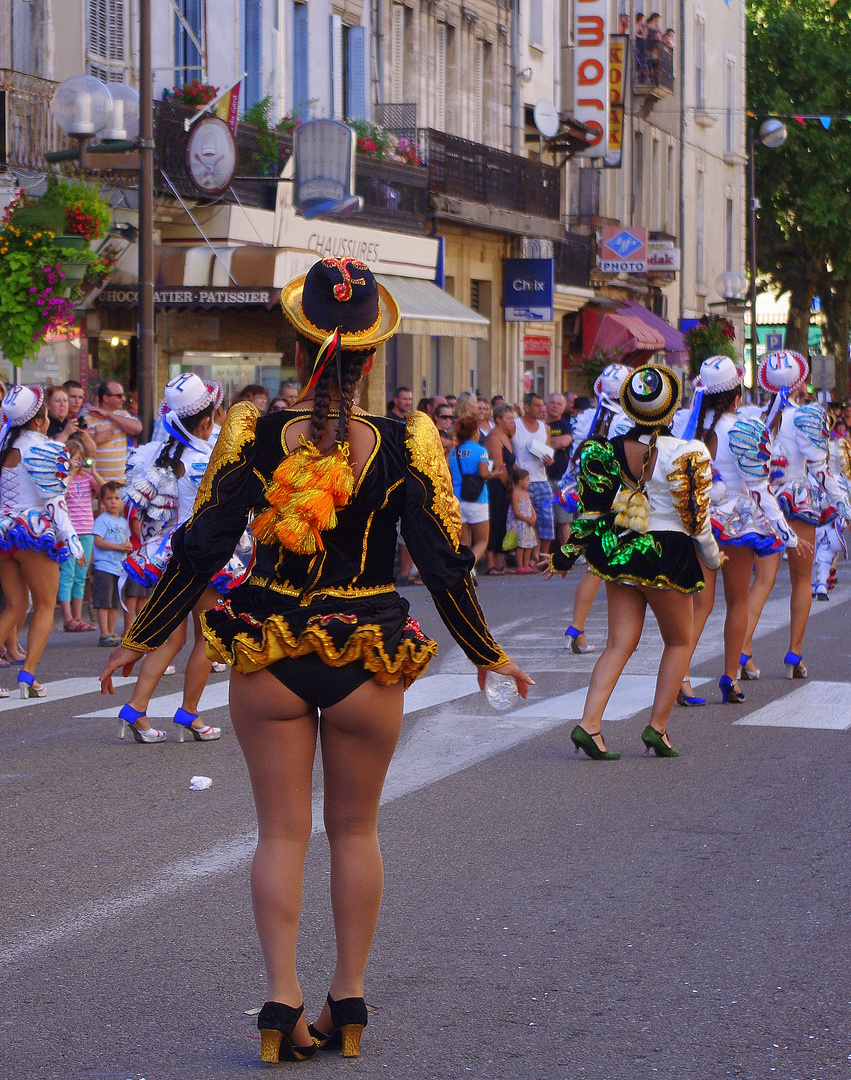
501 691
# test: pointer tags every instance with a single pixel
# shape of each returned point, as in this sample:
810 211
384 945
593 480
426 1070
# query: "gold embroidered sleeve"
427 464
237 430
691 480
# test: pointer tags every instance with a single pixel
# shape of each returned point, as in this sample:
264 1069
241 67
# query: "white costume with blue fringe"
33 512
829 539
800 474
743 509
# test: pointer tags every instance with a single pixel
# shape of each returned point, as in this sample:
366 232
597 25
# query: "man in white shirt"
532 452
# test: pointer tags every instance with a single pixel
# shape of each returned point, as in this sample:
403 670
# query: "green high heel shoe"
655 741
585 742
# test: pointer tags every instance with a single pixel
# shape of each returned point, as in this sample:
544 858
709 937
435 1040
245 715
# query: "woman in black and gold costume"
643 503
319 626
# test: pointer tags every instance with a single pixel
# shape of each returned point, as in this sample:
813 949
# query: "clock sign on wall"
211 155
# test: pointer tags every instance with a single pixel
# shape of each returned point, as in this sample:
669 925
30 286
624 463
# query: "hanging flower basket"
69 240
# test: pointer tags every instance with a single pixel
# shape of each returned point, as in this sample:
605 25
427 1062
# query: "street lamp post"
84 107
772 133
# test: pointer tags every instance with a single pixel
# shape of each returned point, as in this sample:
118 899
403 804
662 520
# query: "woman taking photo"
500 451
36 533
746 520
318 637
643 502
470 467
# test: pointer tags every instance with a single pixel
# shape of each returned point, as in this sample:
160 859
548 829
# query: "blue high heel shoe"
570 642
129 716
691 702
730 693
27 687
748 676
185 720
794 668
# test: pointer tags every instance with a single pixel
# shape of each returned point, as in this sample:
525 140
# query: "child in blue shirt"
112 544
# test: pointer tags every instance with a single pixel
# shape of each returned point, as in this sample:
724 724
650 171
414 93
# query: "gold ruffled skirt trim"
366 644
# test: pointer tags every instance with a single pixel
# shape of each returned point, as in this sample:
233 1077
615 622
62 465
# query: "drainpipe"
682 156
515 59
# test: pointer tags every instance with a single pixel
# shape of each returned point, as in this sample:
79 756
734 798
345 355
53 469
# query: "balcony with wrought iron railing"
27 130
653 68
481 174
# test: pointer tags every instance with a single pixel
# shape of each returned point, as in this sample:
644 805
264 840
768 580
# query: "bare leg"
41 575
583 601
702 604
626 608
17 599
277 733
198 667
736 574
480 538
800 574
358 737
765 574
151 671
674 613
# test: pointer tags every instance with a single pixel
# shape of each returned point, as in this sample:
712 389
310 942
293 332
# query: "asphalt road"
545 916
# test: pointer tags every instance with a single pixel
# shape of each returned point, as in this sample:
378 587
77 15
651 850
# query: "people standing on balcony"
653 46
532 452
668 39
110 425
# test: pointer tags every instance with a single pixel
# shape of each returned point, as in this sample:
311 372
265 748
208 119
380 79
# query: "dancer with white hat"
806 490
746 519
36 533
606 420
162 484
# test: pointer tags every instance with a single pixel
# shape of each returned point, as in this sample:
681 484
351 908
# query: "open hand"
120 657
520 677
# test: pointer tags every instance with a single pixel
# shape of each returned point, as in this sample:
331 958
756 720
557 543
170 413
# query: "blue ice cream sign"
529 286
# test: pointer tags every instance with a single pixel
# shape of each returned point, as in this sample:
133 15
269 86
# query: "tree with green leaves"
799 63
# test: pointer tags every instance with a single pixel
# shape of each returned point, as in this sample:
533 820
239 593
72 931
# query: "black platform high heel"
277 1023
348 1017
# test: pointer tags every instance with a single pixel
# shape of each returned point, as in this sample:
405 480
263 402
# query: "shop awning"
676 351
625 336
430 312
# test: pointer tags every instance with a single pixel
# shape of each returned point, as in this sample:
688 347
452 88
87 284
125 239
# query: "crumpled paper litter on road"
200 783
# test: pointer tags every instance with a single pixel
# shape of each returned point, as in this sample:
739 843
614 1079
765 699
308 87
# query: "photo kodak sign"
591 72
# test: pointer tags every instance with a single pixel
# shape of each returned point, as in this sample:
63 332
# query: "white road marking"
60 690
815 705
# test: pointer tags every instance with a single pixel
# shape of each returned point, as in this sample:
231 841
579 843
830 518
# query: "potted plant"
86 215
193 94
713 336
32 284
589 366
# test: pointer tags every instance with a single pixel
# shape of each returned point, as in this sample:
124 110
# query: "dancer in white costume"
36 533
801 479
830 543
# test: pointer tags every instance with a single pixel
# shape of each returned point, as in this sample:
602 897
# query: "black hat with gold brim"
341 293
651 395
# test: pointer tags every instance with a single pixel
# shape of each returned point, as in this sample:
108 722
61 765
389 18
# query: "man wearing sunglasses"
109 424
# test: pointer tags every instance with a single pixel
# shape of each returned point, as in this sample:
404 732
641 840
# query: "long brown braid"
352 369
651 446
720 404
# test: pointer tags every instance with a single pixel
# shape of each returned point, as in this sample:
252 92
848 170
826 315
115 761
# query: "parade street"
545 916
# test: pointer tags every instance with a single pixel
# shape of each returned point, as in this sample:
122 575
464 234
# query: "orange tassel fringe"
306 491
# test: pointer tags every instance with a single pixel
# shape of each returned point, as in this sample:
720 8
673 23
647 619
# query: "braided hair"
720 403
172 451
351 366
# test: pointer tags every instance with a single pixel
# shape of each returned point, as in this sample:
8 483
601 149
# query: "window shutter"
536 23
356 74
253 52
301 72
397 48
336 67
105 40
439 87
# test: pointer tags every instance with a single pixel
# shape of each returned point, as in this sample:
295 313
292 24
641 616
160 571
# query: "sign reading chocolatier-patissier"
591 72
192 296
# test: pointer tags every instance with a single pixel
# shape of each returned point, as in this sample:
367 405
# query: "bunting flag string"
801 118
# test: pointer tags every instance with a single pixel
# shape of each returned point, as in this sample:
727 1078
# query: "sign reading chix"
591 71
